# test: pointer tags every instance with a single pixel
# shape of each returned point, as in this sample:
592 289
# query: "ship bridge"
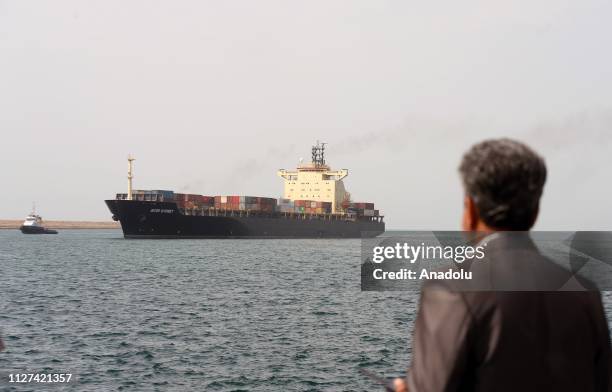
316 181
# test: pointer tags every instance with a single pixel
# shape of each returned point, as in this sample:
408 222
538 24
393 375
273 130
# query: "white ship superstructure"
32 220
316 181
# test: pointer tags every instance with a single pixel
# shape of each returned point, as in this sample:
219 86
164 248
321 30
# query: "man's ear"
470 215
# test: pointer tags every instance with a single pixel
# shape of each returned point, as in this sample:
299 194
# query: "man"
497 340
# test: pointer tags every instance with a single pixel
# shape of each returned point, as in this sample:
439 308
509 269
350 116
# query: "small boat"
33 224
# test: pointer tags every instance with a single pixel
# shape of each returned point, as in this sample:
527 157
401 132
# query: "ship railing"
211 211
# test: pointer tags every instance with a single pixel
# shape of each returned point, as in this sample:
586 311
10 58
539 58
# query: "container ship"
315 204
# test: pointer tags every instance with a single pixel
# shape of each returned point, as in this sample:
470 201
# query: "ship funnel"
130 176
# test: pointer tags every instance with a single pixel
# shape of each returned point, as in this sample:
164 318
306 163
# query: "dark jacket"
511 340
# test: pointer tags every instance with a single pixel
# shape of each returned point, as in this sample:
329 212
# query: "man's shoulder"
481 302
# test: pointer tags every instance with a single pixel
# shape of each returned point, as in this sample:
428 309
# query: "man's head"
503 181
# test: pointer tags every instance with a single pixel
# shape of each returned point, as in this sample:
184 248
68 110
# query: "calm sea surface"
218 315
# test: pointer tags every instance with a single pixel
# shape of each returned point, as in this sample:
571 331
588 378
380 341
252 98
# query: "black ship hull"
148 219
36 230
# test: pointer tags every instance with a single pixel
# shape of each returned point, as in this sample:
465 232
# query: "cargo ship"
315 204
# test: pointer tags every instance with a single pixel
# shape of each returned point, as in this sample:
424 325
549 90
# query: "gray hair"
505 179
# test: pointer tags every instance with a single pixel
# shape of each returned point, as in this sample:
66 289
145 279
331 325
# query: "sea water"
178 315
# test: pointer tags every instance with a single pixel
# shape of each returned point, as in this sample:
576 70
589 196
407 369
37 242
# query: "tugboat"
33 225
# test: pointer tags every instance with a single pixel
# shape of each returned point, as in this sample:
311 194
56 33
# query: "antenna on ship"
130 176
318 154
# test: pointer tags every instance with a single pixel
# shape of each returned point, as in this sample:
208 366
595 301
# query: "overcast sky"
213 97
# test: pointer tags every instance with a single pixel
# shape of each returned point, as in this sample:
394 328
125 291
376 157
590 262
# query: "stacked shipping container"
245 203
186 200
312 207
285 205
248 203
142 195
304 206
362 209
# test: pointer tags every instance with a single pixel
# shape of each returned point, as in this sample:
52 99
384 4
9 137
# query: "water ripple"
220 315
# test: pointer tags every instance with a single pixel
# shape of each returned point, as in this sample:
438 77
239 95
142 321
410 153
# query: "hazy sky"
213 97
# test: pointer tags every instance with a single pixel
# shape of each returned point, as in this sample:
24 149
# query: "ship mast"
130 176
318 154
